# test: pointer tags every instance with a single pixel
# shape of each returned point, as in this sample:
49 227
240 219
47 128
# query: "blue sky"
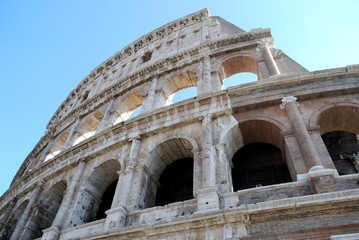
48 47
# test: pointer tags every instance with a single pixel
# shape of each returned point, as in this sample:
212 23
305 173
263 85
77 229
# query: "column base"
51 233
322 180
207 200
115 218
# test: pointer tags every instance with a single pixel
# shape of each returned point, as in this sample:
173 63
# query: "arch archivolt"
237 63
337 112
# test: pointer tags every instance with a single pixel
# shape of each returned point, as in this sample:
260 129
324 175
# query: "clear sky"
48 47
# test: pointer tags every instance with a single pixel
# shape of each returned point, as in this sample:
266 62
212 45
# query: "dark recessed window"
146 57
176 182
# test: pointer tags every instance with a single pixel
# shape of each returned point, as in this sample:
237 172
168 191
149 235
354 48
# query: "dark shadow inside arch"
343 148
176 182
106 201
258 164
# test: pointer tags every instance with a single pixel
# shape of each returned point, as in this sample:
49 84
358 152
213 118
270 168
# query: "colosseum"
276 158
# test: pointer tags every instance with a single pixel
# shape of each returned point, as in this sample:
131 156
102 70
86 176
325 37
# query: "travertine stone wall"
91 143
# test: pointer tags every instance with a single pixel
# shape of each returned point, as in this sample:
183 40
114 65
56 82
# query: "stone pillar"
204 84
268 58
321 180
149 102
207 197
104 122
117 214
46 151
53 232
306 146
226 171
70 137
6 215
22 223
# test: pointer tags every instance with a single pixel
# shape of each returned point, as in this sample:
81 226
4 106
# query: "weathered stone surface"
96 172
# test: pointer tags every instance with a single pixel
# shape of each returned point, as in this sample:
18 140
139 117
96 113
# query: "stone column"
22 223
207 197
117 214
53 232
46 151
226 170
268 58
204 84
320 179
149 102
6 215
70 137
306 145
104 122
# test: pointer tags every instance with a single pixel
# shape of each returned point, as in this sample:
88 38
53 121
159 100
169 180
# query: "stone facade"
247 162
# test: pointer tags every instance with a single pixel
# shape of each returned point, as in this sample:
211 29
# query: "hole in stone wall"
184 94
176 182
240 78
343 148
258 164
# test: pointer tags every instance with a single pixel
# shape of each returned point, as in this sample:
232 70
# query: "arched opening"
172 158
47 209
245 65
258 164
339 128
343 148
240 78
58 145
176 182
88 127
130 107
96 196
184 94
180 87
10 224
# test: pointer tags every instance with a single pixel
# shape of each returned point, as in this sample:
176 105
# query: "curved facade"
272 159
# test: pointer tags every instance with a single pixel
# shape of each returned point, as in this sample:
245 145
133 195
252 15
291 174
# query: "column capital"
286 100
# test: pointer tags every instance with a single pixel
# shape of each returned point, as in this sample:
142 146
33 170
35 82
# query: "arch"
238 64
10 224
160 158
127 106
261 130
103 178
57 146
337 117
88 126
176 83
47 208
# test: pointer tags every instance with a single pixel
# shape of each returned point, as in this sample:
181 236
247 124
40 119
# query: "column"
70 137
207 197
46 151
6 215
149 102
320 179
208 162
306 145
22 223
104 122
225 168
117 214
58 223
204 83
268 58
